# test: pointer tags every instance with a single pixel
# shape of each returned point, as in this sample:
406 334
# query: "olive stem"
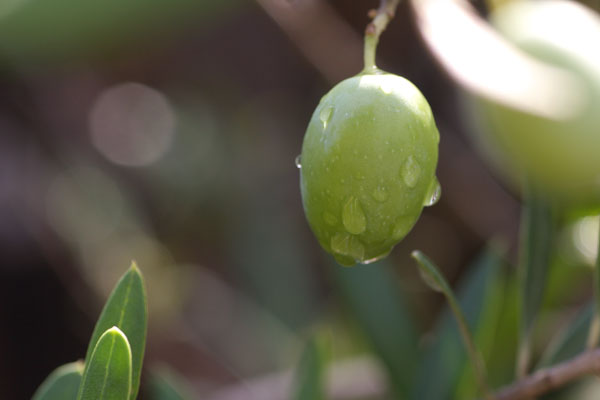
594 333
381 18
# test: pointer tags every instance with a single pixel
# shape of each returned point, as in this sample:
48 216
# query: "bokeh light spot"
132 124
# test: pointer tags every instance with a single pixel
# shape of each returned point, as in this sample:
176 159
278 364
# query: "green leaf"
309 384
375 298
126 309
107 374
443 364
61 384
537 236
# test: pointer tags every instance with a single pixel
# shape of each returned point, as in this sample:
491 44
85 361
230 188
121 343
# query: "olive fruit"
368 165
558 155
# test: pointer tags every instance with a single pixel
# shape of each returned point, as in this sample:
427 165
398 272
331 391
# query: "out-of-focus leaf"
567 344
537 235
50 30
126 309
167 385
61 384
107 374
570 341
441 367
309 384
381 311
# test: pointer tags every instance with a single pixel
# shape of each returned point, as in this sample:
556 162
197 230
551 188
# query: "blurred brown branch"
551 378
325 39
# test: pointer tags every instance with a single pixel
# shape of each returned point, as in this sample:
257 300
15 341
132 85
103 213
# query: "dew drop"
402 227
344 260
411 171
329 218
433 193
345 244
353 217
380 194
325 115
298 161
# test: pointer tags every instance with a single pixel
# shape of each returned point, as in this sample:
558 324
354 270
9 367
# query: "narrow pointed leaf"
309 384
61 384
537 235
438 282
377 302
126 308
107 374
445 361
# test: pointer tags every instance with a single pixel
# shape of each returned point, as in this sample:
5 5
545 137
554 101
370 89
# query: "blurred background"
165 132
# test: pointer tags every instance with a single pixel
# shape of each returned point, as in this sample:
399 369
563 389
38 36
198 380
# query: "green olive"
560 156
368 165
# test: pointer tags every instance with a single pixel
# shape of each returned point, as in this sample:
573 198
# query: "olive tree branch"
551 378
381 17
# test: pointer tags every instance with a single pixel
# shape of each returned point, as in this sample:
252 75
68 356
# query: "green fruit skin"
368 165
560 157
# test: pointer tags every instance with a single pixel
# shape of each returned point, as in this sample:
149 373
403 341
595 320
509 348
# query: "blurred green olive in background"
559 156
367 166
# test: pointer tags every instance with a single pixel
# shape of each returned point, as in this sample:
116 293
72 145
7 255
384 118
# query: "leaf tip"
416 254
134 267
114 331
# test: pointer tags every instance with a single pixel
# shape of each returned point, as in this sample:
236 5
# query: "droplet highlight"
411 172
380 194
386 87
434 192
325 115
298 161
377 258
353 216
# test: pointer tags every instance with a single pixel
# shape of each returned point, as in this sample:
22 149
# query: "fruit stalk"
381 17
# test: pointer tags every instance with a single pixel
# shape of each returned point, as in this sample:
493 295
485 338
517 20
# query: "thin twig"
552 378
381 17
